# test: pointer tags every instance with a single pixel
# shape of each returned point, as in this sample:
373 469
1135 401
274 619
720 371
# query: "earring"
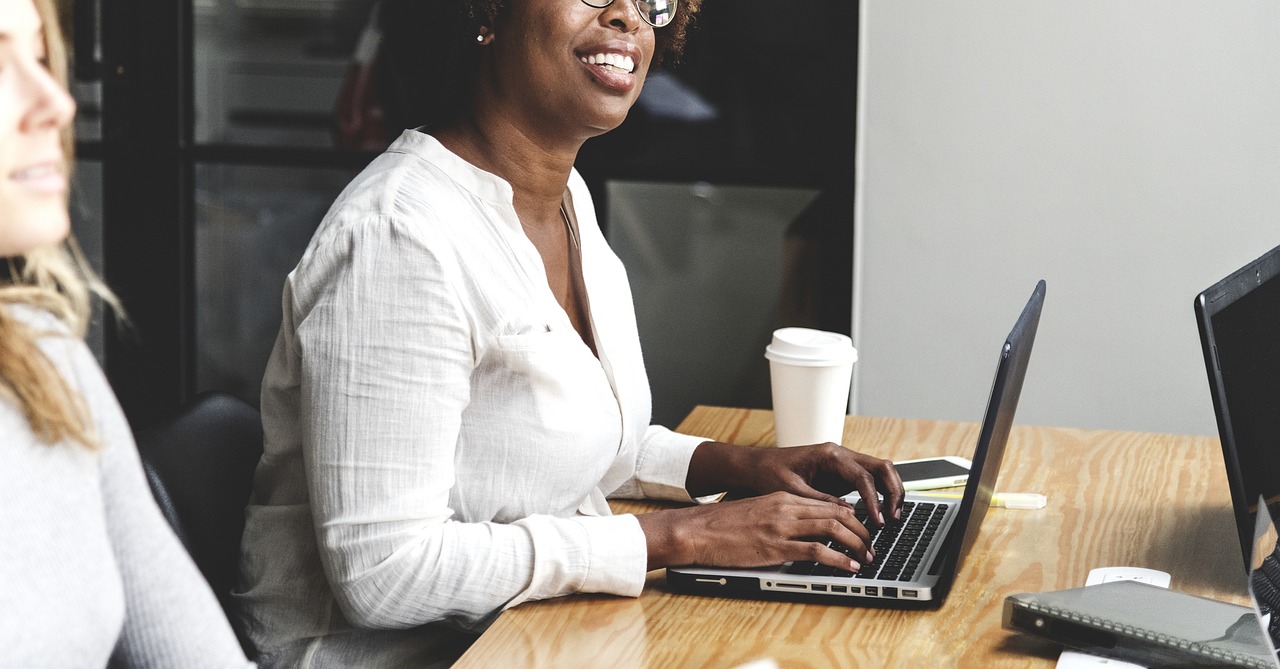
480 39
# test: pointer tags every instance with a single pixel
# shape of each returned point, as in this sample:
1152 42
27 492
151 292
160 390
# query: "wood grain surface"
1115 499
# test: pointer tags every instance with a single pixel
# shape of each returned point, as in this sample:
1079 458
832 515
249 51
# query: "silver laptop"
916 558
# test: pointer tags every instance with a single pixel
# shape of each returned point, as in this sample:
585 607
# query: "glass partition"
709 278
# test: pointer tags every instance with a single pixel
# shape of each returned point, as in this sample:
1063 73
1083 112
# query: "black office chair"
200 466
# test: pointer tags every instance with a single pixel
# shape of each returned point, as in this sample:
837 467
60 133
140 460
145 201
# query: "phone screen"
929 469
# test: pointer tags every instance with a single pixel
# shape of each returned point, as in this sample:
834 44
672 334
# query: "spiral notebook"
1152 626
1143 624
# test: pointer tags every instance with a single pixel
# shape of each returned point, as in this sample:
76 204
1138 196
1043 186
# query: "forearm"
468 571
716 467
665 538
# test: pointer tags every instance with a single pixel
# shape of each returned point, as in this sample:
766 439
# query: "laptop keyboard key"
824 570
801 568
899 546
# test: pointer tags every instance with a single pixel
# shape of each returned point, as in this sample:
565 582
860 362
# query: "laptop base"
749 588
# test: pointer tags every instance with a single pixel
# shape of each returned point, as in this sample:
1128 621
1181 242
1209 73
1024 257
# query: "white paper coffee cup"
810 372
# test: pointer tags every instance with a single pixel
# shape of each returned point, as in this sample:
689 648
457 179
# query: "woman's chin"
33 227
607 122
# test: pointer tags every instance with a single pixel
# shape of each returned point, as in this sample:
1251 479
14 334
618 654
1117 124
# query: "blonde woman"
91 572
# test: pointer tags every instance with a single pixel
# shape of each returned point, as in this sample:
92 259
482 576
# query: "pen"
1009 500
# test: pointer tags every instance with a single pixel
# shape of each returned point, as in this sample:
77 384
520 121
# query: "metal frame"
147 201
148 164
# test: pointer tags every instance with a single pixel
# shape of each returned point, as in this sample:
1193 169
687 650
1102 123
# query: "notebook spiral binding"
1217 655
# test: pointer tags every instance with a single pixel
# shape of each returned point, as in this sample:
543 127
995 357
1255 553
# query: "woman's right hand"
756 532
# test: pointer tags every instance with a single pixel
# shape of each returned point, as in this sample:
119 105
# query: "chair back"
200 466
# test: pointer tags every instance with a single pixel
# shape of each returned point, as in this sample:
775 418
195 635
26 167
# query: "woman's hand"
820 472
756 532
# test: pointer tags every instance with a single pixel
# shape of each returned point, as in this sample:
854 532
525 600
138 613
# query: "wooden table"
1115 498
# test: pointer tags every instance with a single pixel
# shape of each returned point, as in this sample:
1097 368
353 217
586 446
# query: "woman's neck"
537 169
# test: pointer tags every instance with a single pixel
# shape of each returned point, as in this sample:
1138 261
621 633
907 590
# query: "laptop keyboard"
899 545
1265 583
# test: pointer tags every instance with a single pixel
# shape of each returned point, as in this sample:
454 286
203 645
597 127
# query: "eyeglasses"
656 13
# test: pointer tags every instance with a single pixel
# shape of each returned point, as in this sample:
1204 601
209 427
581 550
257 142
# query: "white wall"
1128 152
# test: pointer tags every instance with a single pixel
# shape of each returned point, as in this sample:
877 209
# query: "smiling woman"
33 118
457 386
93 572
433 55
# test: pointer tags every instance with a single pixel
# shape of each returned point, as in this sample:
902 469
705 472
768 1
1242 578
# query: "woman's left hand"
821 471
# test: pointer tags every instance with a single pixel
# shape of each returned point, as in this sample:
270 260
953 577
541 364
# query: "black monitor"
1239 319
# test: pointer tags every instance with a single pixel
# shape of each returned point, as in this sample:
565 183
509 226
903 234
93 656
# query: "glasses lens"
657 12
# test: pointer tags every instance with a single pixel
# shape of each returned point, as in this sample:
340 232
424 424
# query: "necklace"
568 228
573 234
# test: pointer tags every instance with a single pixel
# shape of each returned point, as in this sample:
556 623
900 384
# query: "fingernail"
871 554
854 566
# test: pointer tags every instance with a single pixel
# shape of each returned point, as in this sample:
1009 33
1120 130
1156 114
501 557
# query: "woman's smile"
612 61
615 65
44 177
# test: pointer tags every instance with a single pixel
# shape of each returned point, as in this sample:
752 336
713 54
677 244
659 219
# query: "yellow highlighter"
1009 500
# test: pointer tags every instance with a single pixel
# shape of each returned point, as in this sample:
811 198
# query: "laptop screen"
996 425
1240 330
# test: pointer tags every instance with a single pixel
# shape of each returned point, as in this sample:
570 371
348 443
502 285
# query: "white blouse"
439 440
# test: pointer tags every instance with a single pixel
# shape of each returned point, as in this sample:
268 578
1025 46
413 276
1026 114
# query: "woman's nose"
51 105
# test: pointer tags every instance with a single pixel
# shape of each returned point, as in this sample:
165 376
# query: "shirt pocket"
568 388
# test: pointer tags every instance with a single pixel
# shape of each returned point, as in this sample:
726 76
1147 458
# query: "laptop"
918 557
1239 321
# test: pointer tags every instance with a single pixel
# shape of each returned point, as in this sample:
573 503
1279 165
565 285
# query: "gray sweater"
89 569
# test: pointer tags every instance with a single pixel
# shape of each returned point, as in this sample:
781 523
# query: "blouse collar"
482 184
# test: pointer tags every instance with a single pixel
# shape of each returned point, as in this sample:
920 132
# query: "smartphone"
930 473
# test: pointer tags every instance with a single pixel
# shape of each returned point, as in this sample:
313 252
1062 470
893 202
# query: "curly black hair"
429 56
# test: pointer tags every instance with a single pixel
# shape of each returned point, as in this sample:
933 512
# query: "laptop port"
839 588
873 591
855 590
793 586
911 593
890 592
819 588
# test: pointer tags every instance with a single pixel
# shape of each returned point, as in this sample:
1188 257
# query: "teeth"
35 172
616 61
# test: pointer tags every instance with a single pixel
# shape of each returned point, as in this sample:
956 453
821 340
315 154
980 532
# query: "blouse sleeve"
661 466
171 616
387 352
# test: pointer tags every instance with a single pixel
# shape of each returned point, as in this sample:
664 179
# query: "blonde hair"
56 279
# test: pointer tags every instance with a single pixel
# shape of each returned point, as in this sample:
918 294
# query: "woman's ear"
484 36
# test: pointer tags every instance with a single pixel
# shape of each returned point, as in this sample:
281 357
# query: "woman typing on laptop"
92 571
458 386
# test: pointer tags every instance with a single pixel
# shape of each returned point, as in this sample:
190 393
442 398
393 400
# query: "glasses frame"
643 14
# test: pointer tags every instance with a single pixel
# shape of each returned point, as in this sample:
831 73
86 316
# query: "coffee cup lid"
810 348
